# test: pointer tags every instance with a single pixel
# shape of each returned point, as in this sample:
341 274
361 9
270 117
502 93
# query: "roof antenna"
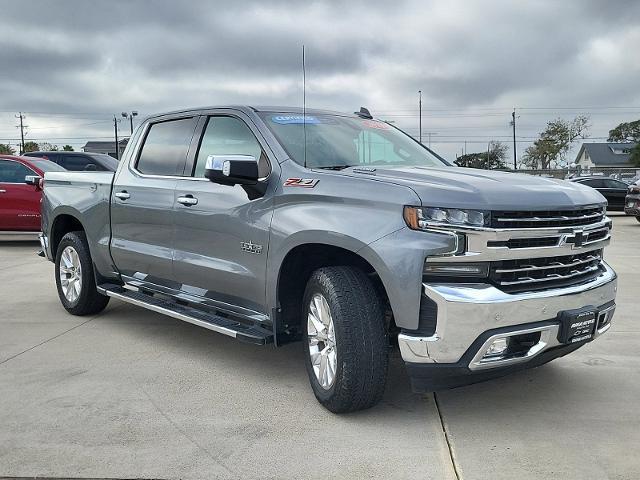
304 107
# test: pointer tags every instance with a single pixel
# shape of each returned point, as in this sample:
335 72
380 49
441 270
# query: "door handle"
187 200
3 191
123 195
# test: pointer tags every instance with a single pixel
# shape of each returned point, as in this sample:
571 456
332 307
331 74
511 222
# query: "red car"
21 192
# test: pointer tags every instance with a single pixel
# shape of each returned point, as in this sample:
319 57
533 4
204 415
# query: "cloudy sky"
70 65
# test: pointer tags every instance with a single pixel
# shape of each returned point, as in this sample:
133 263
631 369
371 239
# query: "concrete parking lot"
132 394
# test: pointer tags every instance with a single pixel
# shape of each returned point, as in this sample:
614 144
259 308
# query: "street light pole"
513 124
420 112
130 116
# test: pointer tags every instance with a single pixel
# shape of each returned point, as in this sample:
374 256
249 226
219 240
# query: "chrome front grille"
545 272
545 219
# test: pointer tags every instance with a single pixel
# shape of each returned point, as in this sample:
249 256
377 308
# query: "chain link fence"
624 174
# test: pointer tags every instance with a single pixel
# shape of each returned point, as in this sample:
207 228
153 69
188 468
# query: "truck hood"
458 187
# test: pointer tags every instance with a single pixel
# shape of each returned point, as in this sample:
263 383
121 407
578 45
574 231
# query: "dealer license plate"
577 325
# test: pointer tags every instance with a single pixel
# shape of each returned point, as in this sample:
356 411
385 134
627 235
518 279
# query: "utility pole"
420 112
115 130
488 155
513 124
21 127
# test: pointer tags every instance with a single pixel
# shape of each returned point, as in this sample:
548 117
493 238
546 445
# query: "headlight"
419 218
634 189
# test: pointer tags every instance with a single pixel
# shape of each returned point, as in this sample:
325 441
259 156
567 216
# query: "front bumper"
469 314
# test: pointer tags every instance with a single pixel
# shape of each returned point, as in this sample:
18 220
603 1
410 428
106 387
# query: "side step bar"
226 326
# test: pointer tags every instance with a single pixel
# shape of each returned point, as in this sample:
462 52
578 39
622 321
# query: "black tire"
88 301
361 339
638 218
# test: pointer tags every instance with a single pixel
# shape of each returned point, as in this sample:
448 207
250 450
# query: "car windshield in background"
46 165
334 141
107 161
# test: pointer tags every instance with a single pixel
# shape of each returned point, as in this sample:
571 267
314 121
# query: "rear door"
19 202
222 232
142 214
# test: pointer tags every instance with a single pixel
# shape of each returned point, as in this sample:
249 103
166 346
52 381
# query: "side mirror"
34 180
90 167
232 169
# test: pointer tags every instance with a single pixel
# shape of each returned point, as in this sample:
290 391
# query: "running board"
226 326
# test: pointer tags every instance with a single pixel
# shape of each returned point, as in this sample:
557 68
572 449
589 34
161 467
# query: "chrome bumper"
465 311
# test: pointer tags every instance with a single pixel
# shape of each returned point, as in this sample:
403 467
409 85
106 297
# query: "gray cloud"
102 57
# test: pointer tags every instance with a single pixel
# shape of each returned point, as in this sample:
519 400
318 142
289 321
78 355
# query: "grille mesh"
545 272
551 218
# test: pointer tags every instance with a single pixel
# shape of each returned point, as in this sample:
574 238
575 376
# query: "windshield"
333 141
46 165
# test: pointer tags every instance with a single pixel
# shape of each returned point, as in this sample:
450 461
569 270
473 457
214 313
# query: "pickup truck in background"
274 225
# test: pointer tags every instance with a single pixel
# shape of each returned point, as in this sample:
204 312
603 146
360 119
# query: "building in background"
604 155
106 147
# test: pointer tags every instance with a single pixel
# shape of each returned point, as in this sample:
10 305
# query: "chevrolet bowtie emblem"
577 239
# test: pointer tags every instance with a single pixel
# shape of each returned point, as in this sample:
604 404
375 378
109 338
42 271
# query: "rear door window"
165 148
74 163
593 182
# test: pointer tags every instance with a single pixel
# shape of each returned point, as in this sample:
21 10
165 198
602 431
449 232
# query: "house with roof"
106 147
604 155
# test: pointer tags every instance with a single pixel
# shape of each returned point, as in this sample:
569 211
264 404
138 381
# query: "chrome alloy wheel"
322 341
70 274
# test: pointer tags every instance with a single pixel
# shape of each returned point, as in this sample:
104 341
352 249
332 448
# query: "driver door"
221 234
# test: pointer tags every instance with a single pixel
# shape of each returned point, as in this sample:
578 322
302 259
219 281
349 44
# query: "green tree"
625 132
551 148
47 147
67 148
7 149
30 147
493 159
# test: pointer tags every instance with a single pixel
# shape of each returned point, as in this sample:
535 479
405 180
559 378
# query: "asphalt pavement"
130 393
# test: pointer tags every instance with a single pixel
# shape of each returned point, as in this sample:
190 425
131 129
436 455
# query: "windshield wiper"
335 167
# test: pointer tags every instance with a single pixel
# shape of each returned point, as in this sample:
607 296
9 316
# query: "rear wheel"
74 276
346 345
638 218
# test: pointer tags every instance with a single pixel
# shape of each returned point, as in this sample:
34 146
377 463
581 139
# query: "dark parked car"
79 161
632 201
19 200
613 190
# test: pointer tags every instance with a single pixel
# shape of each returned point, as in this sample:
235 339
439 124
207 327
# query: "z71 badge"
301 182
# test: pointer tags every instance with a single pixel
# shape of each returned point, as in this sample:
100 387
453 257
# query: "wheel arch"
62 224
296 265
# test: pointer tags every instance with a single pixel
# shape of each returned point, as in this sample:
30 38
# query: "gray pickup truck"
274 225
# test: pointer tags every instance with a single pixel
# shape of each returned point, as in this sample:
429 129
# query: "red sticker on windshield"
375 124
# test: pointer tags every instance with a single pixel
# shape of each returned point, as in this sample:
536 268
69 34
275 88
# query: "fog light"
497 348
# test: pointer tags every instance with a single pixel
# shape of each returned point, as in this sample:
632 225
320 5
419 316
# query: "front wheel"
638 218
346 345
74 276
